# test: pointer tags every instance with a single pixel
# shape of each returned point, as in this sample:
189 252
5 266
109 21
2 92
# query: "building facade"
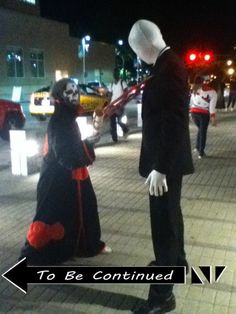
34 52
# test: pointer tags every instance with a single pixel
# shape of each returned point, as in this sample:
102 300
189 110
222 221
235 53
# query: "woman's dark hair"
59 87
197 83
199 80
116 74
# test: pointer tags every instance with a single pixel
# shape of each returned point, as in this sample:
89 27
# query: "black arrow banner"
20 275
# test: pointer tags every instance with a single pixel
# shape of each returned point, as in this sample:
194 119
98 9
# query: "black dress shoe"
165 306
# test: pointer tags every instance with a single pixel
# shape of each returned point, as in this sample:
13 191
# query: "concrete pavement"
209 207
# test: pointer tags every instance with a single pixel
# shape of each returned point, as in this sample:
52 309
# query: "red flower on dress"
40 233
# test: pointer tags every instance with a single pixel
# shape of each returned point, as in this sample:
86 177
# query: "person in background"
165 153
203 109
232 95
66 223
117 89
218 84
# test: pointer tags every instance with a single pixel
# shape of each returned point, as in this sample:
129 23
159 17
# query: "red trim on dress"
81 230
80 174
45 145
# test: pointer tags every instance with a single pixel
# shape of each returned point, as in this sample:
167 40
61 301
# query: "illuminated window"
37 63
15 62
29 1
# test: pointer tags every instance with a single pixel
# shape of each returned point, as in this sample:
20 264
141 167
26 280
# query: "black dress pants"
114 119
232 100
167 229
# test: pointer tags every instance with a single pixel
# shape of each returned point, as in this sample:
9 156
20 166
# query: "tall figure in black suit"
165 153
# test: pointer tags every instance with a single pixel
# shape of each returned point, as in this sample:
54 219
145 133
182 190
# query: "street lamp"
230 71
120 42
120 62
85 46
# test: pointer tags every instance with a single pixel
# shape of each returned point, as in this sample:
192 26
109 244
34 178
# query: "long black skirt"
66 223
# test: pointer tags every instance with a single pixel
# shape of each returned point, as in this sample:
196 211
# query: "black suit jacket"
165 113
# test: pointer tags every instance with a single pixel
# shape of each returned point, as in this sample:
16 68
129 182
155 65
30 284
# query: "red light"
192 57
199 58
207 57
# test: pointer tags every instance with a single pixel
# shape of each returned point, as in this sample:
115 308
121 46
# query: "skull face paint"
71 94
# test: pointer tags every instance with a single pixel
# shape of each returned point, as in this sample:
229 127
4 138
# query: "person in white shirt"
117 89
203 108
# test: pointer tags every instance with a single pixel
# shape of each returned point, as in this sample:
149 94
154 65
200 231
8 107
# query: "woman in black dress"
66 223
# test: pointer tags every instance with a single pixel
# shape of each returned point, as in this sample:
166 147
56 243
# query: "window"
15 62
37 63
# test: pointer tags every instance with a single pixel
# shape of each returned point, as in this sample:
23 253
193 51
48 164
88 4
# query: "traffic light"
191 57
208 57
199 58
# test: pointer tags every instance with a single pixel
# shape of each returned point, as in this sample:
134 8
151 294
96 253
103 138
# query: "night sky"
184 24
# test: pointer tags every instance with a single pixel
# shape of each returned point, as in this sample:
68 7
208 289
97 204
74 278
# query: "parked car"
41 107
101 88
11 117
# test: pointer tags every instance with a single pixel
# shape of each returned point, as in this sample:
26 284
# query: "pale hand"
97 126
97 121
213 121
157 183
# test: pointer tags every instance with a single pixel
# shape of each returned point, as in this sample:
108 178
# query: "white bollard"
18 152
139 111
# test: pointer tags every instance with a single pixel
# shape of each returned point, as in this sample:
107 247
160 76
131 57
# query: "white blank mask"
146 40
